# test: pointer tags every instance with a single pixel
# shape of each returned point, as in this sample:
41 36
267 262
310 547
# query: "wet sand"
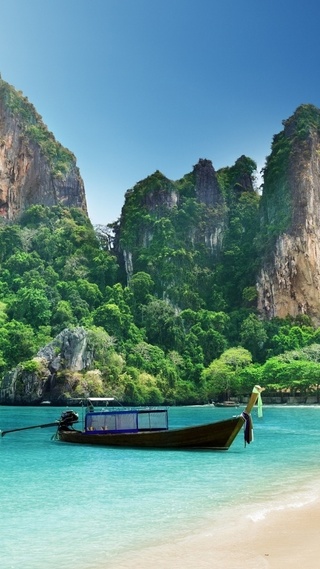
285 538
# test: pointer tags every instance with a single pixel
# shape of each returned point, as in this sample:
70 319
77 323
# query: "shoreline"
284 538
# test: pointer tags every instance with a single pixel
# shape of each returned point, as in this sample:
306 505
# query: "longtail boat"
148 428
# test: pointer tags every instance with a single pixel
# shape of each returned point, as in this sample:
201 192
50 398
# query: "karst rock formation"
34 167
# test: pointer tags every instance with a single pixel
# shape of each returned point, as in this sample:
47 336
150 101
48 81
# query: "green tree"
31 306
223 375
21 262
291 337
113 320
236 358
219 378
63 316
17 343
10 238
213 344
147 357
103 269
142 287
253 337
89 292
163 326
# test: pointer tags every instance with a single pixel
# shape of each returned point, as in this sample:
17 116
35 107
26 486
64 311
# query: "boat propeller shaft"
66 420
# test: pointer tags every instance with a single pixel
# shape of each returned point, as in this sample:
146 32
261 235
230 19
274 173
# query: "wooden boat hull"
215 436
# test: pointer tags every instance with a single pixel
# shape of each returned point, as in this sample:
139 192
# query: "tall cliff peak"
289 282
243 171
176 230
207 186
305 119
34 167
160 193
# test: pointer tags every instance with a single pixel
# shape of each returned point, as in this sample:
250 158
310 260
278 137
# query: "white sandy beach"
284 539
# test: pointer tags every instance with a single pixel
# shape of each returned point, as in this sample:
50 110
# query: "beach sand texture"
285 539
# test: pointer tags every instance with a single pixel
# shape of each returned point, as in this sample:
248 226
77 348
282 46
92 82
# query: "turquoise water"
66 505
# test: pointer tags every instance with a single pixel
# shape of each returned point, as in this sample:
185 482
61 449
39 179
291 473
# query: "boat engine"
67 419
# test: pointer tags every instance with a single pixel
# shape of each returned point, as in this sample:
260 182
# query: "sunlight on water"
63 504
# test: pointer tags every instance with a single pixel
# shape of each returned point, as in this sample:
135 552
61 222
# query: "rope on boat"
248 428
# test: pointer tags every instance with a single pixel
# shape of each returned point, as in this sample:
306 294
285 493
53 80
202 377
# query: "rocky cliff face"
207 187
34 167
161 196
208 193
68 352
289 281
177 230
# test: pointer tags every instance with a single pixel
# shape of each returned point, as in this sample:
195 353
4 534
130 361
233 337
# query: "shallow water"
64 505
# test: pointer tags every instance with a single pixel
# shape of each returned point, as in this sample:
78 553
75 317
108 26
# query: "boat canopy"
132 421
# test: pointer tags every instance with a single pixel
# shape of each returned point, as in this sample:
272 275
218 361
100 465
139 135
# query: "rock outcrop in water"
48 375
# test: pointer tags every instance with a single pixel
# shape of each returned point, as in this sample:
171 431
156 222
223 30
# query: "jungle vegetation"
57 272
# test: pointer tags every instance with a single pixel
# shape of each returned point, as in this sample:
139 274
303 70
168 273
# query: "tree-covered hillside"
199 250
204 342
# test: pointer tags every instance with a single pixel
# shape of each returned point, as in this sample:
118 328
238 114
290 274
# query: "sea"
64 505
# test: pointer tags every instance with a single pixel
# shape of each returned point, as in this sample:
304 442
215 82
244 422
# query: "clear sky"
134 86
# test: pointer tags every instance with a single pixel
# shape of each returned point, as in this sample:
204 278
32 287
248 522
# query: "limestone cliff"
177 230
206 183
289 280
156 199
34 167
50 376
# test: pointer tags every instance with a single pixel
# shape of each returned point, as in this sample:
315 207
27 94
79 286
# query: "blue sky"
134 86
